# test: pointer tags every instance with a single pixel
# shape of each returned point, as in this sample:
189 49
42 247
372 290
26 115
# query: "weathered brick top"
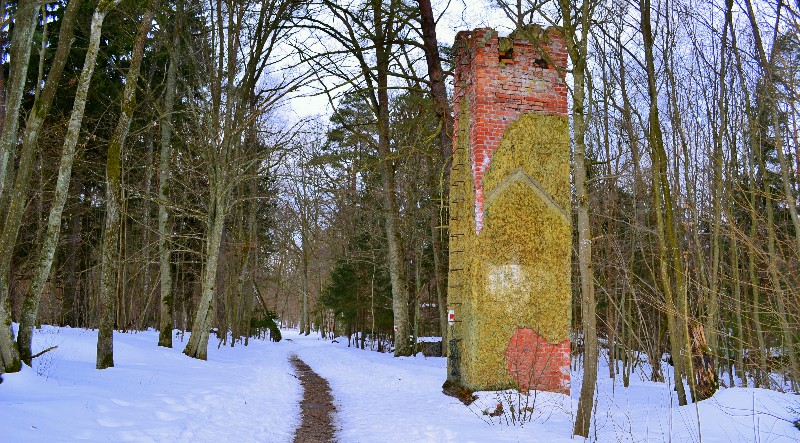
503 78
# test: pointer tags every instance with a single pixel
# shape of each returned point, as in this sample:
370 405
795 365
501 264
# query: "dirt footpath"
316 407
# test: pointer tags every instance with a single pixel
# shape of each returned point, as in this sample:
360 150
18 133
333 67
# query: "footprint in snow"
112 423
166 416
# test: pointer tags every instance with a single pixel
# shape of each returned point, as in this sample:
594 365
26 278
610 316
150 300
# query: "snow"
152 393
244 394
429 339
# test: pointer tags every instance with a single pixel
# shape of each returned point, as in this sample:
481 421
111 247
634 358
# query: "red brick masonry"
536 364
499 88
500 91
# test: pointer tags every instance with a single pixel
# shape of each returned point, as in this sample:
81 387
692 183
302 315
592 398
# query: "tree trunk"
706 382
3 54
197 346
397 271
71 305
681 284
24 25
30 307
417 293
762 381
441 284
305 328
665 230
396 253
110 247
737 303
588 303
438 92
438 88
251 263
164 225
140 317
25 21
717 193
577 50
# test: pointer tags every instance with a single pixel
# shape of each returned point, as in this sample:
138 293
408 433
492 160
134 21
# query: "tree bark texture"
24 25
197 346
577 50
109 267
41 107
164 226
706 381
19 55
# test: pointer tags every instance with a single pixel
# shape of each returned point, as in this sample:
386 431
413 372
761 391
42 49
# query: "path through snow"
316 408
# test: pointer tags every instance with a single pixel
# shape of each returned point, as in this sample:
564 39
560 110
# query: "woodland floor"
316 407
263 393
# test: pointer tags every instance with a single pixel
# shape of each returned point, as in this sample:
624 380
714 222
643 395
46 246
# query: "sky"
455 16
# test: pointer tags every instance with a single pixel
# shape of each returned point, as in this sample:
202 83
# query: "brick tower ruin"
510 228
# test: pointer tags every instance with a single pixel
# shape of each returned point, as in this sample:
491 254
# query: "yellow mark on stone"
519 175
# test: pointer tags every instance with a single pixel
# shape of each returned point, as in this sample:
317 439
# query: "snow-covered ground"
245 394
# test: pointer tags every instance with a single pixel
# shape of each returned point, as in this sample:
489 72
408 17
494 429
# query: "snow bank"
249 394
152 394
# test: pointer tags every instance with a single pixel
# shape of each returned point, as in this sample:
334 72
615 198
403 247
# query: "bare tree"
241 41
363 61
577 18
41 108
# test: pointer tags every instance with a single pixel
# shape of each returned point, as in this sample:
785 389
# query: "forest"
154 173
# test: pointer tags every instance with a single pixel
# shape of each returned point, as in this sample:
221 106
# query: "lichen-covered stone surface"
510 241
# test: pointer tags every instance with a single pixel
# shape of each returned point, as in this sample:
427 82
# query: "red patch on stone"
536 364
